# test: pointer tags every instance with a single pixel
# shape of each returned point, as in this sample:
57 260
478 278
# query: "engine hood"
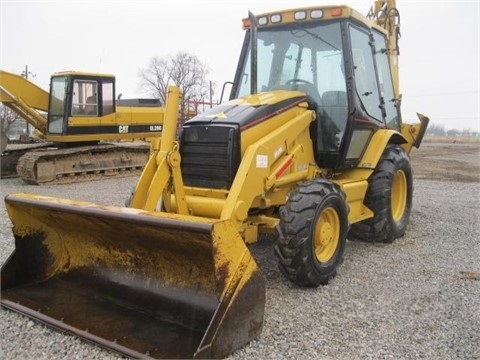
250 110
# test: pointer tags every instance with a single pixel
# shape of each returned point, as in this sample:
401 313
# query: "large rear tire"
312 233
389 196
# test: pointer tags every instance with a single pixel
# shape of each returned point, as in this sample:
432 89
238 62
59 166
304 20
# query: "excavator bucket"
144 284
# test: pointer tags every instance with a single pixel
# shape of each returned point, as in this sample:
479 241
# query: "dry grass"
452 139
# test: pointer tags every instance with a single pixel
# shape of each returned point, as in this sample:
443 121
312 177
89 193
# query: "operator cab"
79 95
340 61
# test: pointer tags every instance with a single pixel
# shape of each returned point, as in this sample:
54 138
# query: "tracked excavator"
82 125
311 148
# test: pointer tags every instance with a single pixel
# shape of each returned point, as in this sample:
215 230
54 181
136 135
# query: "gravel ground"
418 298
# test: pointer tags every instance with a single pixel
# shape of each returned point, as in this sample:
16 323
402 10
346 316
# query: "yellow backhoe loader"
310 147
81 122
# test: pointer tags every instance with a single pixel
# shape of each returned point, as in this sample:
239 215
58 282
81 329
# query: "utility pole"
25 75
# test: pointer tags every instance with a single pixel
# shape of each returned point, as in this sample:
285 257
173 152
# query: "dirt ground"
447 159
438 158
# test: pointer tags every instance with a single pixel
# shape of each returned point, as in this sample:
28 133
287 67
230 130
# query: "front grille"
210 155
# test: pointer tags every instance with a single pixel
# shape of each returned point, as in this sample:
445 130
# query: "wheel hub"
327 234
399 195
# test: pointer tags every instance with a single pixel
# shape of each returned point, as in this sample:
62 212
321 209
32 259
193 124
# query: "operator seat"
333 119
310 90
91 105
336 106
306 88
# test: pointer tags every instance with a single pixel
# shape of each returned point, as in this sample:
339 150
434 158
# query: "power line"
466 92
458 118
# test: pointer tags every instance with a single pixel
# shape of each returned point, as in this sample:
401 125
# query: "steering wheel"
308 88
297 80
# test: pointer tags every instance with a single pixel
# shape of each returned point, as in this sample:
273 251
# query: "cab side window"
364 70
107 97
85 98
392 114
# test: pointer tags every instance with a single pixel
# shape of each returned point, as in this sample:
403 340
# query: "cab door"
368 96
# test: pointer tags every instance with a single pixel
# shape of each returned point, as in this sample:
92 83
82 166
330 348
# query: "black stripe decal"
114 129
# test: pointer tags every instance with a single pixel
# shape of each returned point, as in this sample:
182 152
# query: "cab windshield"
56 113
307 58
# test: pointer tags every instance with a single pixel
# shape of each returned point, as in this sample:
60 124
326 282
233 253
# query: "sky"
439 46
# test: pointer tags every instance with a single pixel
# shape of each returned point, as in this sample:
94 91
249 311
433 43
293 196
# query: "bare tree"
7 118
156 78
184 70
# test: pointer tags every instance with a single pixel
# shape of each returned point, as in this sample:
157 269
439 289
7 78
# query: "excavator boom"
25 98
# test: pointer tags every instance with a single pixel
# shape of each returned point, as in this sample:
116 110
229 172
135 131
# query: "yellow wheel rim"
327 234
399 195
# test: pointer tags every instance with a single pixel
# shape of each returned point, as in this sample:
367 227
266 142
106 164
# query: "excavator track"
13 153
83 163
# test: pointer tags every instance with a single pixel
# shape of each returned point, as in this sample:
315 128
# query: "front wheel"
389 196
312 233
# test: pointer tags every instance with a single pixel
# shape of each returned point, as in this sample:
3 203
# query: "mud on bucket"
144 284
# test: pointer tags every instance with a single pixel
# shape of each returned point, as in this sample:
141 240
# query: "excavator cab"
81 107
340 63
78 96
81 104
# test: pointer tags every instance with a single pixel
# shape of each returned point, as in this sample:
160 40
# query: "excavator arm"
25 98
385 14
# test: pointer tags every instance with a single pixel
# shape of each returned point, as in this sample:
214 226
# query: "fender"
380 139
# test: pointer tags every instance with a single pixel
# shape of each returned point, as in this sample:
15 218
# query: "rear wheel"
389 196
312 233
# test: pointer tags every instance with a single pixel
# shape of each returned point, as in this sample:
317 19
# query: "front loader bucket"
144 284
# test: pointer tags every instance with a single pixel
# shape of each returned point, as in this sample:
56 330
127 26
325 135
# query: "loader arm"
162 171
25 98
